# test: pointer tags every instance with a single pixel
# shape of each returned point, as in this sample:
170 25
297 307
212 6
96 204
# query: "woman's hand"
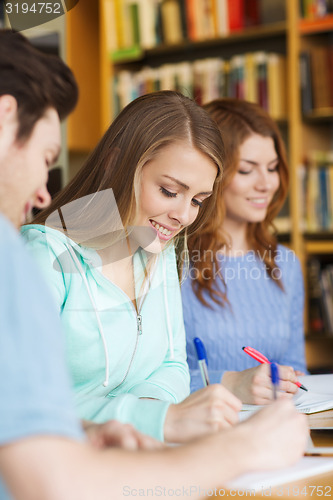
205 411
254 386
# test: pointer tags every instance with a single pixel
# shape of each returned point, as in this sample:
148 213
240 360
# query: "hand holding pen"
258 356
254 385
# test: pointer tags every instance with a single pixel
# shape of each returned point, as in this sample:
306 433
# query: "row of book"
316 72
148 23
257 77
312 9
320 295
317 191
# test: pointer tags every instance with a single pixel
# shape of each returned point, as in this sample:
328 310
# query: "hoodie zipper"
138 333
139 324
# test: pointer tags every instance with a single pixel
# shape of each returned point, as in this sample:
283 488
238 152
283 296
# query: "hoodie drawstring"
99 323
166 305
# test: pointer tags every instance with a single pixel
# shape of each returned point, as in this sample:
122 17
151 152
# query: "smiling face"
173 186
24 167
254 184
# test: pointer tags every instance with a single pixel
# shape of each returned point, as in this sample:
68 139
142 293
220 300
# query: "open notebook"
318 398
261 481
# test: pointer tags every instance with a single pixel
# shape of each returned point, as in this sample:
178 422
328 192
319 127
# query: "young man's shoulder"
9 234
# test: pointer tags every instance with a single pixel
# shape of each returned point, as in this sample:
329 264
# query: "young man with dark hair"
43 453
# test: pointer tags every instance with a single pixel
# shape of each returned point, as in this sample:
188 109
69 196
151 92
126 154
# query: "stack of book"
257 77
149 23
317 192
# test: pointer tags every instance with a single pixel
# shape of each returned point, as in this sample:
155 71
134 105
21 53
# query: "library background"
278 53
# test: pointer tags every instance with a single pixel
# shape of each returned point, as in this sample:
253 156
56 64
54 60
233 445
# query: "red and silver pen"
262 359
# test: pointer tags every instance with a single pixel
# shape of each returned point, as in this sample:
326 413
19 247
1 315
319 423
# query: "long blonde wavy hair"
148 124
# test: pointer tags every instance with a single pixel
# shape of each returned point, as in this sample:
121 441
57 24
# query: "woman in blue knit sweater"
243 289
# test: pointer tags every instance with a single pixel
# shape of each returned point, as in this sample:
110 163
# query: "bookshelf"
90 33
314 37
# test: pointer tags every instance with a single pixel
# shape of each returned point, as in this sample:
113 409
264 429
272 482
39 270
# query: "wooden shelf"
319 247
312 26
318 115
253 33
318 337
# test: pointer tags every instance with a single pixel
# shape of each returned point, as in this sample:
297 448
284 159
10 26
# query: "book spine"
236 14
320 77
222 18
171 22
316 312
305 82
190 16
262 84
251 13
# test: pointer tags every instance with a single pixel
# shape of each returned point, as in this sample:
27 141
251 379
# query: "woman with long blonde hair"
244 289
108 245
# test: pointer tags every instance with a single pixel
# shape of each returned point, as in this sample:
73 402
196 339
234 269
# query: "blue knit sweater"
260 315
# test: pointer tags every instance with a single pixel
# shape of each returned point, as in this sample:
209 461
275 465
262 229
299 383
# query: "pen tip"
304 388
243 348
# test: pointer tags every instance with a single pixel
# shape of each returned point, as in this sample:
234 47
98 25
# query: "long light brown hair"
237 121
148 124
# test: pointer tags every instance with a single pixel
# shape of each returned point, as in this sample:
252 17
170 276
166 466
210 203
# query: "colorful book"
237 64
236 14
277 92
221 17
320 77
190 17
251 13
306 82
171 22
262 82
109 28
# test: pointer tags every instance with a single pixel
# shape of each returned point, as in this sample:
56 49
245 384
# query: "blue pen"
202 360
275 377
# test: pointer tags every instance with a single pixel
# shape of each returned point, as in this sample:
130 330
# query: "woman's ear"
8 109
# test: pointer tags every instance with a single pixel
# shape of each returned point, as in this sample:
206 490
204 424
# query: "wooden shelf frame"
318 25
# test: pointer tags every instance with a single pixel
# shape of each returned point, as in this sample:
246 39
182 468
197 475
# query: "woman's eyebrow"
185 186
256 163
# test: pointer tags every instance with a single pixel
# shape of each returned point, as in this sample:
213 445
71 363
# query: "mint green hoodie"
113 359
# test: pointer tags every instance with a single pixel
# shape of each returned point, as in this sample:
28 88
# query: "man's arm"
51 468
